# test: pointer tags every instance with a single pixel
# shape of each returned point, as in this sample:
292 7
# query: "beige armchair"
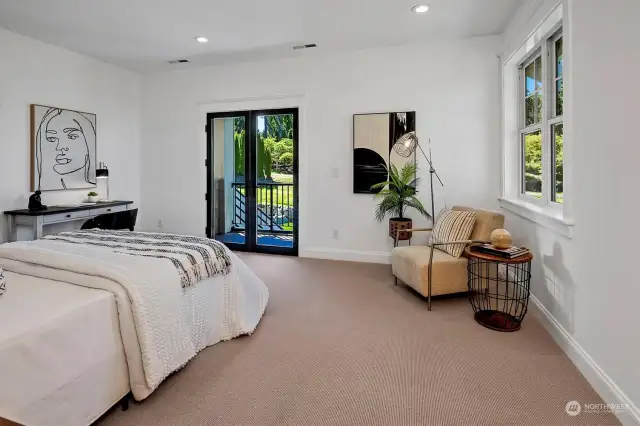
432 272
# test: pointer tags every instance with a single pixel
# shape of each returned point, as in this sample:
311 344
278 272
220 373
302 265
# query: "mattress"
61 355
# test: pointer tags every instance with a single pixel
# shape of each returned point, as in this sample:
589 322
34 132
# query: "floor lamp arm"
431 169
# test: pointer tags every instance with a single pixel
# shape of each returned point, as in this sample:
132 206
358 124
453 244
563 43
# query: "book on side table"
510 253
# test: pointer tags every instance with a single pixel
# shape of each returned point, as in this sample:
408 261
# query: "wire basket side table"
499 289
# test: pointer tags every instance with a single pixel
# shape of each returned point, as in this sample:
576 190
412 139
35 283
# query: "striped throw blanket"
194 258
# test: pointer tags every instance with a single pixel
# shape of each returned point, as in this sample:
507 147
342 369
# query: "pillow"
3 284
453 225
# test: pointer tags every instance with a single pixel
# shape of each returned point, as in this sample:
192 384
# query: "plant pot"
92 198
399 224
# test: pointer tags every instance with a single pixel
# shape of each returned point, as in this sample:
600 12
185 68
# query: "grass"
559 196
281 178
280 197
280 194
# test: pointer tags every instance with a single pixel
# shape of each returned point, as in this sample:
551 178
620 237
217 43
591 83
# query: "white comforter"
162 325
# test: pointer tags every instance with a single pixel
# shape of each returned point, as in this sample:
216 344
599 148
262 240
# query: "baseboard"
601 382
346 255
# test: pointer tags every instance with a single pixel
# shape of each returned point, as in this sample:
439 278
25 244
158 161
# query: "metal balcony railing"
274 212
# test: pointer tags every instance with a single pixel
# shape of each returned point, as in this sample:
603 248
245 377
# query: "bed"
61 356
92 318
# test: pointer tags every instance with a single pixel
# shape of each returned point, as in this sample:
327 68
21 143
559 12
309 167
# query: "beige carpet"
340 345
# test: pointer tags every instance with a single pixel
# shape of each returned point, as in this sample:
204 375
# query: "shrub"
286 159
281 147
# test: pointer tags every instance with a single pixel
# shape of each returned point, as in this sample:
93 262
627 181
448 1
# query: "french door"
252 180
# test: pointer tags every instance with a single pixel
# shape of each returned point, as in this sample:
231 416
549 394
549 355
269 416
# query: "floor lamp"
405 147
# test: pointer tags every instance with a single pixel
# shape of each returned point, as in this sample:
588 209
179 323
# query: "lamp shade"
406 144
102 173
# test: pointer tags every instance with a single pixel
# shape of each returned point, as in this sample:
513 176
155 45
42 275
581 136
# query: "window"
541 126
556 121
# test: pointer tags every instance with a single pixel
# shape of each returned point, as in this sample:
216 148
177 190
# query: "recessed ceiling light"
421 8
202 39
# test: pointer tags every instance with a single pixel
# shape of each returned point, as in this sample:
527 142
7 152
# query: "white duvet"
162 325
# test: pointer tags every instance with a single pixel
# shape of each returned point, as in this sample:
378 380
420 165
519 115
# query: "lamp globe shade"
501 239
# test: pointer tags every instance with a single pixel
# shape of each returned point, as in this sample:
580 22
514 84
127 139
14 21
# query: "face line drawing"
68 131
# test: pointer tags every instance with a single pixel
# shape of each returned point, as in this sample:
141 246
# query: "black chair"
120 220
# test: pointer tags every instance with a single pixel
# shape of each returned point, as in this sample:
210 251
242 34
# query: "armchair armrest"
410 230
459 242
417 230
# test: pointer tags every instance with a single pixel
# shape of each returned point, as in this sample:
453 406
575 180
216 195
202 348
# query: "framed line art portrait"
63 149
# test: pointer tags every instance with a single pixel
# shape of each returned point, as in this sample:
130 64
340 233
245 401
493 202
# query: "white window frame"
524 129
546 51
555 216
553 117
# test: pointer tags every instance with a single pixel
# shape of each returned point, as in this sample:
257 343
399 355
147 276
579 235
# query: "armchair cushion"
487 221
453 225
411 265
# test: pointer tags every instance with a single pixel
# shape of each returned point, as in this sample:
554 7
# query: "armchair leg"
430 279
396 279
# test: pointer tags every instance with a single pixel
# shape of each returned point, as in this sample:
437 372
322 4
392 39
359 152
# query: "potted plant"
92 197
395 196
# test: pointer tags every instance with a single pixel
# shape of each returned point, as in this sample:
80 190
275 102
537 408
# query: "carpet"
341 345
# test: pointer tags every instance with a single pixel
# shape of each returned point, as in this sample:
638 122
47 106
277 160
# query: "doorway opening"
252 188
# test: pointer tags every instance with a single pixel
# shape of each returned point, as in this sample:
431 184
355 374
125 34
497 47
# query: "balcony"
274 214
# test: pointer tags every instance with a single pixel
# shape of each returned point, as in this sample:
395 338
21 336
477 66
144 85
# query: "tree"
533 162
264 165
278 126
238 125
238 139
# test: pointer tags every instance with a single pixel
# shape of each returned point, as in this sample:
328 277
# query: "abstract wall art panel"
63 149
373 138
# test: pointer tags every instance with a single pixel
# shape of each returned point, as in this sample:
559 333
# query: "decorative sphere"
501 239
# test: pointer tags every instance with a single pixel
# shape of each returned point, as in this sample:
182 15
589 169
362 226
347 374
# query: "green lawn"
280 178
559 196
287 226
281 195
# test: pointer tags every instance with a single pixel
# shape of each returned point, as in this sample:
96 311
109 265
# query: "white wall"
34 72
589 282
454 87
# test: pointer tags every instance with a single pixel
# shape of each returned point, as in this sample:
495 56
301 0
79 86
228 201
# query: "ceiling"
142 35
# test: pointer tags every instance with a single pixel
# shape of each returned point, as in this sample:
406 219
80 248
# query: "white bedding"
61 355
162 325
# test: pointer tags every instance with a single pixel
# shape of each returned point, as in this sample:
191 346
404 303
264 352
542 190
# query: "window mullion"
546 115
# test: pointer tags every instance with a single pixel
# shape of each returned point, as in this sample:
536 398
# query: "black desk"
28 225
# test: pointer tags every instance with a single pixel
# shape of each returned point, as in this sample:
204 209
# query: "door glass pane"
532 164
229 190
274 152
557 189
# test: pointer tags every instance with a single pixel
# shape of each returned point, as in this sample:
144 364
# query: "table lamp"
102 172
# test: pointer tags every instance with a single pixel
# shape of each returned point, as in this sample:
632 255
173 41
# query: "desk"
35 221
